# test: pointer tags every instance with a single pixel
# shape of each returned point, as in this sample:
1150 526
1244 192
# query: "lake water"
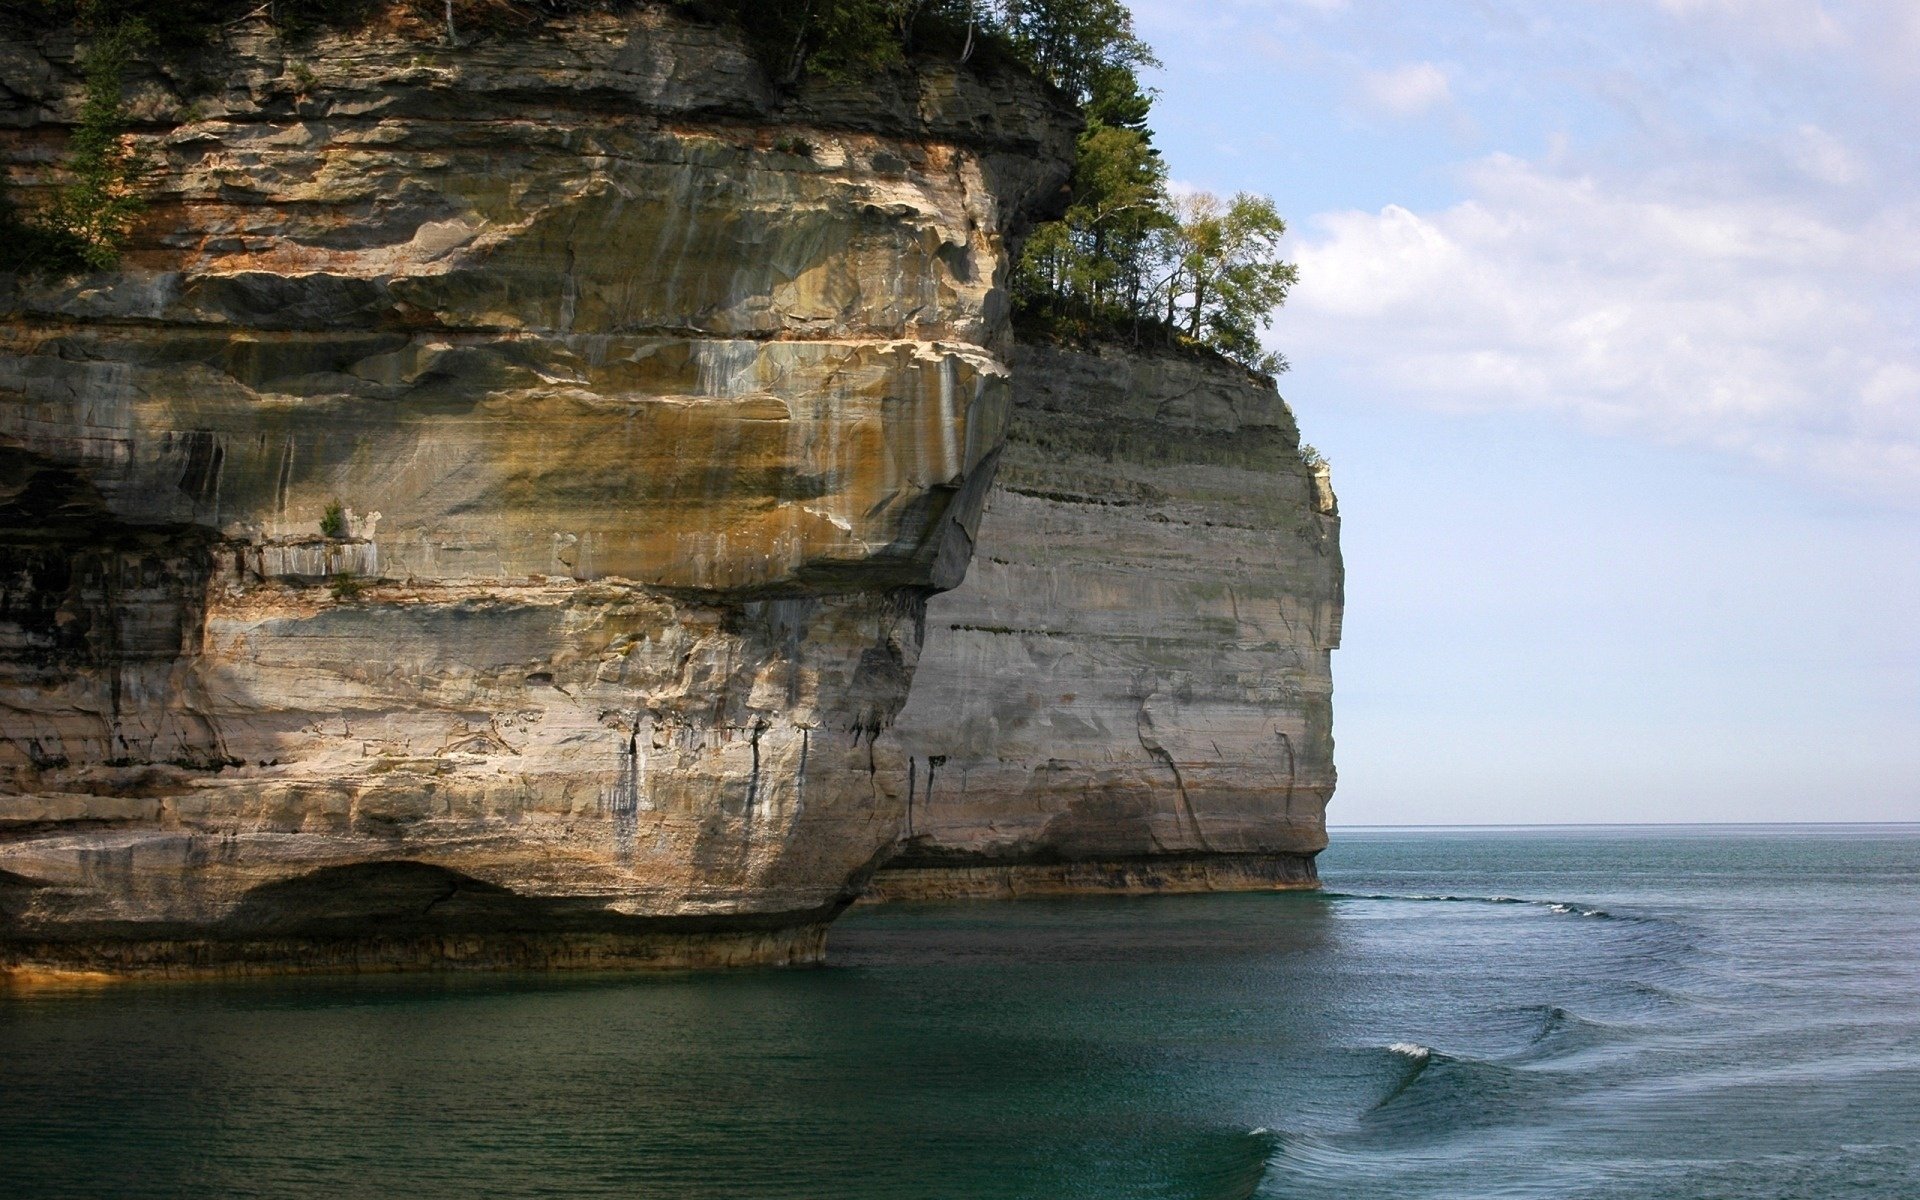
1691 1013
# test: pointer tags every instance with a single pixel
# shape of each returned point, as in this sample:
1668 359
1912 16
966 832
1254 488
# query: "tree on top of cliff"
1129 260
1226 276
1077 44
1069 43
1097 256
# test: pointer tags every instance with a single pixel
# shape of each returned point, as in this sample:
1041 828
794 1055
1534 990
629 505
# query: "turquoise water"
1692 1013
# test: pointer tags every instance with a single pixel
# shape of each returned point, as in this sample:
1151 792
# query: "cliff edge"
1131 691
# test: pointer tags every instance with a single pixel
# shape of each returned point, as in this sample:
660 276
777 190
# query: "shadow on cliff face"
16 893
95 614
392 915
392 897
1115 821
413 899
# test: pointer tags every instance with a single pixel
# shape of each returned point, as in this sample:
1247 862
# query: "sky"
1609 322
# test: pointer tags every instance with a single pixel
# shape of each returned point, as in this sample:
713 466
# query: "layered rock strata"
488 516
1130 692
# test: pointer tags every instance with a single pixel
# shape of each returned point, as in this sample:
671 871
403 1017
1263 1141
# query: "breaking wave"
1564 908
1438 1094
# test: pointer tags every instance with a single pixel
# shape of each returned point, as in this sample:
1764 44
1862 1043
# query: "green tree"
1071 42
98 206
1115 97
1226 275
847 39
87 223
1119 203
1090 263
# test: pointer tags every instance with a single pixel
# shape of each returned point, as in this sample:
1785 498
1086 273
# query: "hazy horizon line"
1622 825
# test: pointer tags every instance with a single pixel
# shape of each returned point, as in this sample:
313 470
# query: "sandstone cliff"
1131 690
489 515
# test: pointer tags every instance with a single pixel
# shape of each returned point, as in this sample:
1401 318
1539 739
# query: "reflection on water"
1741 1021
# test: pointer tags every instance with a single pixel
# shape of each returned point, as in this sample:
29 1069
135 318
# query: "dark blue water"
1614 1013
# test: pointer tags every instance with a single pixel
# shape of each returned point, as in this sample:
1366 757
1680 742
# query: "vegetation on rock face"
792 37
333 522
89 219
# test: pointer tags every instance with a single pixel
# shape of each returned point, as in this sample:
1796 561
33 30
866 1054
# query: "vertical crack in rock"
1293 768
753 776
1143 726
934 763
626 798
800 775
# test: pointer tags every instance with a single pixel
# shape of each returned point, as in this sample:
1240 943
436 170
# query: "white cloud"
1883 34
1822 157
1756 326
1406 91
1786 21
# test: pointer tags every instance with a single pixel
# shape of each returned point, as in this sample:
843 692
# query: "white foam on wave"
1576 910
1412 1050
1553 906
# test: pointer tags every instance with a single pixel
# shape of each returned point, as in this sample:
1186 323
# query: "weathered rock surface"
655 404
1130 691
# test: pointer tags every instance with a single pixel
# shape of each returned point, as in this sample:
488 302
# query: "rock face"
1131 689
489 515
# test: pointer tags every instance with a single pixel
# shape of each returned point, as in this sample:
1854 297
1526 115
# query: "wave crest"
1562 907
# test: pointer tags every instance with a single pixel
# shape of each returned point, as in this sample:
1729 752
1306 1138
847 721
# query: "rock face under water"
489 515
1131 689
